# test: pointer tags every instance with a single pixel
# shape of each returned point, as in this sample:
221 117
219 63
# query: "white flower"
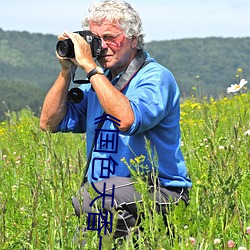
217 241
246 133
22 210
242 248
237 87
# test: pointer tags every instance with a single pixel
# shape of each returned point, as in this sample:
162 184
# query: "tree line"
202 67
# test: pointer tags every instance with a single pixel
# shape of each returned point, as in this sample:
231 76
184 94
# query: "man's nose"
104 44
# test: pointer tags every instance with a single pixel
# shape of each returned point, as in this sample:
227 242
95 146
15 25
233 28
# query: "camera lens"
75 95
65 48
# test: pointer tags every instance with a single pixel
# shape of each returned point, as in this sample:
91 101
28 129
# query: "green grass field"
40 172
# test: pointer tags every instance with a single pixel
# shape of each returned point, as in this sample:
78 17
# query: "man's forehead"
104 27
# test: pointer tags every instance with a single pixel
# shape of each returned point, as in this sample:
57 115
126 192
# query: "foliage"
40 172
28 58
14 95
28 68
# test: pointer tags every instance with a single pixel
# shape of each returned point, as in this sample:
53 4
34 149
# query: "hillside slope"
28 65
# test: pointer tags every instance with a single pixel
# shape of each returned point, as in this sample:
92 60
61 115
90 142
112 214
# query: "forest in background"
202 67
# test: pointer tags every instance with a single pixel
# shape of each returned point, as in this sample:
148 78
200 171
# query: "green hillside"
28 57
211 63
28 66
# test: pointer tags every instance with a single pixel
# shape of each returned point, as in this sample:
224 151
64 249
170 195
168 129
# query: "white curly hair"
120 13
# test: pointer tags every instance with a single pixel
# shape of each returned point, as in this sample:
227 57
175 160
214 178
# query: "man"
140 94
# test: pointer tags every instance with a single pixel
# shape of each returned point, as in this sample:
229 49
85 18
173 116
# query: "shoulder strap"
136 64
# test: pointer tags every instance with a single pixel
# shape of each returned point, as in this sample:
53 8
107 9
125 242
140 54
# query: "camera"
65 48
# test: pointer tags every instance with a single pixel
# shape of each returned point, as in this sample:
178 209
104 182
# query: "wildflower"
14 188
45 216
242 248
137 159
237 87
132 162
230 244
248 230
192 240
240 70
216 241
221 147
195 106
198 182
247 133
123 159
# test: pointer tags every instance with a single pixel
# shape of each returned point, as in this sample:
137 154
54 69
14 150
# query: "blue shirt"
154 97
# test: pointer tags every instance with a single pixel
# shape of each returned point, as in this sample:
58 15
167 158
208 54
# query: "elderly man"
142 99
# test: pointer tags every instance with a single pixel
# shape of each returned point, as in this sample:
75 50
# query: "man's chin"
105 63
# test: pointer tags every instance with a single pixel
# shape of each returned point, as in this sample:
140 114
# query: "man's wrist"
65 73
96 70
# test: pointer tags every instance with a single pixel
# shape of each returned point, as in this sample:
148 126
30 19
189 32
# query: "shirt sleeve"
152 99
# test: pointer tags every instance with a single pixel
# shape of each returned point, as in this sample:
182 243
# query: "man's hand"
83 54
66 63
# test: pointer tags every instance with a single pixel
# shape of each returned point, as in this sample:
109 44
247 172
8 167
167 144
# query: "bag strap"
136 64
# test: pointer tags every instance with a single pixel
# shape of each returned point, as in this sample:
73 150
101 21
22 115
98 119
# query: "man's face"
118 50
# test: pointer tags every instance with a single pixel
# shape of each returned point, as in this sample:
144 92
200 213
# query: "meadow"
40 172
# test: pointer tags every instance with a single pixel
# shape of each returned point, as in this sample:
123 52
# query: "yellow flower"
195 105
240 70
132 162
138 160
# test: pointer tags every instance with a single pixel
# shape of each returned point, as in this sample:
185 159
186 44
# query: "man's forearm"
55 103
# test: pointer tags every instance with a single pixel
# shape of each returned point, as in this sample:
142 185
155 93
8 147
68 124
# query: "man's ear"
134 42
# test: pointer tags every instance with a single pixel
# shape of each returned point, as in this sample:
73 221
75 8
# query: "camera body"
65 48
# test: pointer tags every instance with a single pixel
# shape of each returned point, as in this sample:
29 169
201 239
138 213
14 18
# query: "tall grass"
40 172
